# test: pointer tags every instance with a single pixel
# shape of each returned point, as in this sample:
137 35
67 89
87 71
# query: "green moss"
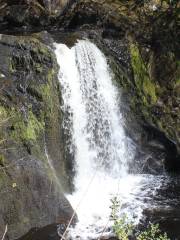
159 124
177 82
20 128
34 127
3 120
51 74
37 46
149 90
25 220
3 114
36 56
11 66
46 92
2 159
48 95
144 86
26 129
44 50
39 68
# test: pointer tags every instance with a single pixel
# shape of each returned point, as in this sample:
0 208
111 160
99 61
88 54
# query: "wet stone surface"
164 207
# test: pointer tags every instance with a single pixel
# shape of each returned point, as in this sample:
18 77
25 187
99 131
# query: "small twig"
5 231
61 236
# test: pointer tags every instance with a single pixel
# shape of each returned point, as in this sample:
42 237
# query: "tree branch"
5 231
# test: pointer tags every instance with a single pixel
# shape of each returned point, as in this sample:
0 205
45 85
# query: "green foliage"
114 208
2 159
34 127
152 233
28 130
146 88
3 114
123 228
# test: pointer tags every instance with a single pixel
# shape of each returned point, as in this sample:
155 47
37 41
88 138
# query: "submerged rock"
49 232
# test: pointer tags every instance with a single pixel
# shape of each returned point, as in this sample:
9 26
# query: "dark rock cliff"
30 14
30 147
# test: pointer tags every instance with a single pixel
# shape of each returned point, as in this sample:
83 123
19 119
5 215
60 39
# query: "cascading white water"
92 102
97 138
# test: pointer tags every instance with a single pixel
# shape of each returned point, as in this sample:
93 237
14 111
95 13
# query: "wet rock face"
49 232
157 97
29 14
165 209
30 189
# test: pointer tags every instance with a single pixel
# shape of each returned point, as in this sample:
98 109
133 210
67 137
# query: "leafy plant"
152 233
123 228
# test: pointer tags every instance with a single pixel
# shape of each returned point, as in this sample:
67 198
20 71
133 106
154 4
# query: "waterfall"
97 140
92 104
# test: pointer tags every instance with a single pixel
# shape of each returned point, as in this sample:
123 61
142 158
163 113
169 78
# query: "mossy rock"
28 129
30 137
144 85
155 97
